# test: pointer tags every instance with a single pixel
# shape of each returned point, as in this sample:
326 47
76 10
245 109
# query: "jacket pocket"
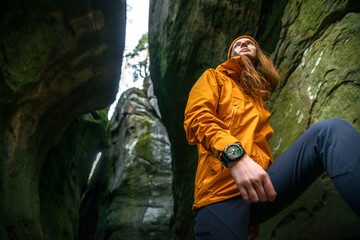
236 113
204 233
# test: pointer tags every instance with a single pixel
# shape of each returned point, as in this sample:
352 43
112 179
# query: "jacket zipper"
232 115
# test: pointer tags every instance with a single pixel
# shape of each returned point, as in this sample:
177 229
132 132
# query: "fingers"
253 182
269 189
259 189
261 192
250 193
253 194
244 194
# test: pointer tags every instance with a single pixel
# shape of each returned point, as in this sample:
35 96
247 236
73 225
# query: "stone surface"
66 172
324 84
313 45
138 201
58 60
320 75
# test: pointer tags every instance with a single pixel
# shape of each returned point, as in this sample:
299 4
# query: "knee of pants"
332 126
338 141
332 123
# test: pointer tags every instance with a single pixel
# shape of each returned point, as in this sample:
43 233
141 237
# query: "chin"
250 57
248 54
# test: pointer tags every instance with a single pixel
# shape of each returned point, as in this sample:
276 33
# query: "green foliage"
141 67
140 47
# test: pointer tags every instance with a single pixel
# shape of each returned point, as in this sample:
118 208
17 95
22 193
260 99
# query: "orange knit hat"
244 36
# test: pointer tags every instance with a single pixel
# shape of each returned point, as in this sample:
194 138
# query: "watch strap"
224 160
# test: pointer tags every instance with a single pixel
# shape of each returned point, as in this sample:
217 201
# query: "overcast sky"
136 25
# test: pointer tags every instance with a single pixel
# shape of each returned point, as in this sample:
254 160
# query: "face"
244 46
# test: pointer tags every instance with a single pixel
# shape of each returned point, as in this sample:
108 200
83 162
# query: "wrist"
231 164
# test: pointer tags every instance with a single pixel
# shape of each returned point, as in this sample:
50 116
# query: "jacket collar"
231 68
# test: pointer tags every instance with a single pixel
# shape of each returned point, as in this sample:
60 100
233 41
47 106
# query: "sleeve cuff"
224 142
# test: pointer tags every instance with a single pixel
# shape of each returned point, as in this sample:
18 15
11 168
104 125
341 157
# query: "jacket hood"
244 36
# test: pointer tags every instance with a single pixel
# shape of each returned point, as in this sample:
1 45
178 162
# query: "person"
238 185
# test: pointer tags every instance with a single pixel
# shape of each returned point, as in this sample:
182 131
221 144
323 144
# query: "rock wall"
66 172
137 201
312 44
58 60
320 79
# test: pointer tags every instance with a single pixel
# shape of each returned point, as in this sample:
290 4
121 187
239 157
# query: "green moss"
147 122
288 120
323 85
130 184
143 146
27 50
343 102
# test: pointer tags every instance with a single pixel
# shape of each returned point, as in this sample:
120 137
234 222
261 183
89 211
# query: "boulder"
138 202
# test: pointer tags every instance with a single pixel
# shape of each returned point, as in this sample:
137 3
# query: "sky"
136 25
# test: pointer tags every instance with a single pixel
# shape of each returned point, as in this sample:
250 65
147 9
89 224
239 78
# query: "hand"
252 180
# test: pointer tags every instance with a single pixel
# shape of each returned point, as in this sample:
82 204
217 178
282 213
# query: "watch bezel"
226 159
233 147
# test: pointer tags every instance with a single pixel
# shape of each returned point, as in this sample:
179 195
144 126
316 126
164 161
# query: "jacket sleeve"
202 126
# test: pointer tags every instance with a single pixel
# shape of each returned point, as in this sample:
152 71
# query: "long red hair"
260 78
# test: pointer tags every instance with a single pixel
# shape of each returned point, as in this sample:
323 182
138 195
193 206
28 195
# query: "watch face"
233 152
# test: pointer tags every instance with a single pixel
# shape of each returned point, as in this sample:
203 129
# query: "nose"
243 45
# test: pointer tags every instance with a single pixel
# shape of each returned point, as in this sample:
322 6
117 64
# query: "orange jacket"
217 114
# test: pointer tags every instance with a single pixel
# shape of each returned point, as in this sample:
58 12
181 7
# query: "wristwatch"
232 153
